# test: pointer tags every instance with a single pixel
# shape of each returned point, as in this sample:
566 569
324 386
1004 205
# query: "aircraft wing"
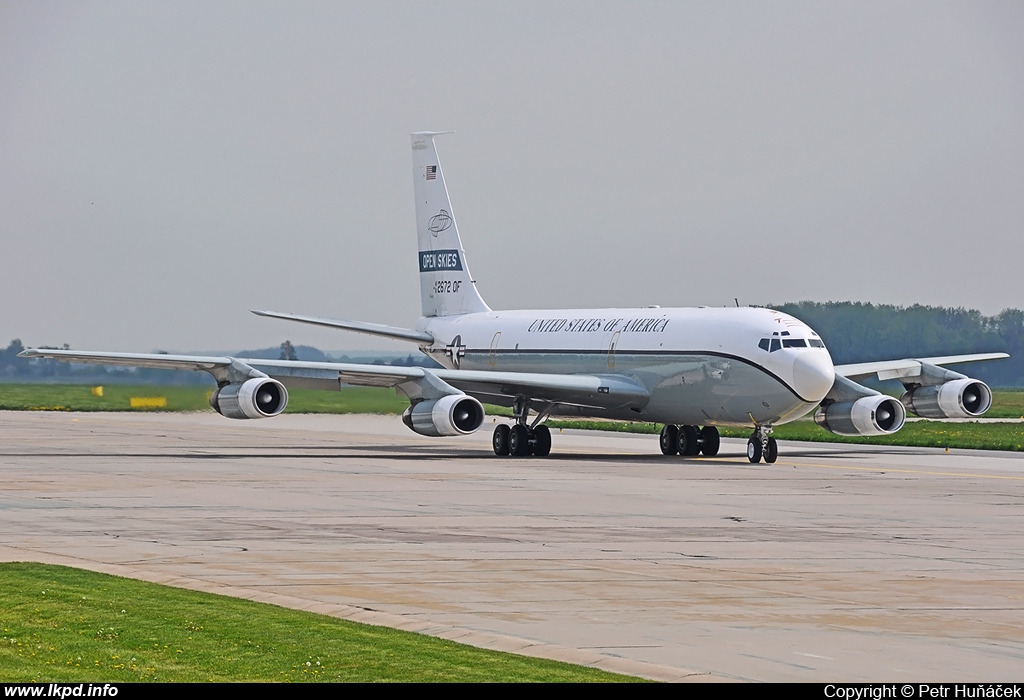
128 359
930 391
894 369
596 391
377 329
587 390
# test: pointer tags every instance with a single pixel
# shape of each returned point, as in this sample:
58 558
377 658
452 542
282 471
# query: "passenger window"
763 344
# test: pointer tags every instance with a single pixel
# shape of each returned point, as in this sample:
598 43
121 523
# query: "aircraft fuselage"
700 365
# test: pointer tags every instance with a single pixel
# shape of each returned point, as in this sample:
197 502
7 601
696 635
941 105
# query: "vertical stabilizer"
446 287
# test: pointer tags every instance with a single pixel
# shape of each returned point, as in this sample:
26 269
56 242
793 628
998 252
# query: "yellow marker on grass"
149 402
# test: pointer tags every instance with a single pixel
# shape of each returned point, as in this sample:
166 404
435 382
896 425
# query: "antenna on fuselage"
737 300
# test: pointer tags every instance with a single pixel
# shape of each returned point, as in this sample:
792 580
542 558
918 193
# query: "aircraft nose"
813 375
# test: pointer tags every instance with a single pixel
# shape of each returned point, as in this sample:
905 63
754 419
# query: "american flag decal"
431 172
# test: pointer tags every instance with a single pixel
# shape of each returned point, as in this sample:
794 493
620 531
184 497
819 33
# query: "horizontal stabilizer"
378 329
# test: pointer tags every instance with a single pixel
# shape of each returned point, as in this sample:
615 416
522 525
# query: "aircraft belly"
748 396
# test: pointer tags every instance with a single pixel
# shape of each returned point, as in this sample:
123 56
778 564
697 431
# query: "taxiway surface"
834 564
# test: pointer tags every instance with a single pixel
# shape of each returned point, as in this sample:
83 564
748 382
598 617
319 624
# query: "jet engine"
962 398
456 414
871 415
261 397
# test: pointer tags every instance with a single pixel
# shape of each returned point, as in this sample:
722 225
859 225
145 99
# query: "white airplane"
685 368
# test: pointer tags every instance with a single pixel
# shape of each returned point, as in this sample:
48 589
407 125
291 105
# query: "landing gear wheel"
687 441
754 450
499 440
772 452
519 441
710 440
541 441
669 435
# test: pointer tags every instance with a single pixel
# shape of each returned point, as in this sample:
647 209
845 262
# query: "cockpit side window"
793 343
763 344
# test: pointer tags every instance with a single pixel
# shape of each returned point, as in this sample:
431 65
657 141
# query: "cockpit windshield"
778 341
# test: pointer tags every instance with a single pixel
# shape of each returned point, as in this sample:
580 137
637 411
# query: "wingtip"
431 134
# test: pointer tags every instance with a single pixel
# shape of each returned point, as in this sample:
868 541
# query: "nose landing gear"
761 444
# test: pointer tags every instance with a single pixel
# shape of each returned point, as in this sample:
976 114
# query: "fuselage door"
611 350
492 355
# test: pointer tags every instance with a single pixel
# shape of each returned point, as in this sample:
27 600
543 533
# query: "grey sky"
164 167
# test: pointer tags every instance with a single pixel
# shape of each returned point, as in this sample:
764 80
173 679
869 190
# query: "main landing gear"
761 444
520 440
689 440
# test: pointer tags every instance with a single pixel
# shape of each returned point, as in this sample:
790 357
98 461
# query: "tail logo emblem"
442 221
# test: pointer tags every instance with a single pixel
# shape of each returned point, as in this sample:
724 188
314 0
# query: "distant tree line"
856 332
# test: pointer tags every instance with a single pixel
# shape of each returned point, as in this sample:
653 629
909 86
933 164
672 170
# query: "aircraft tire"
519 441
772 453
754 450
669 435
711 440
541 441
687 441
682 440
499 440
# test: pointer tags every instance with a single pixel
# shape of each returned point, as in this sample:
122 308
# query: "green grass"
990 436
356 399
116 397
608 425
68 625
1007 403
72 397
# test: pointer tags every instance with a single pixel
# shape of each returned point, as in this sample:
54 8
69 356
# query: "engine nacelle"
457 414
961 398
262 397
871 415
